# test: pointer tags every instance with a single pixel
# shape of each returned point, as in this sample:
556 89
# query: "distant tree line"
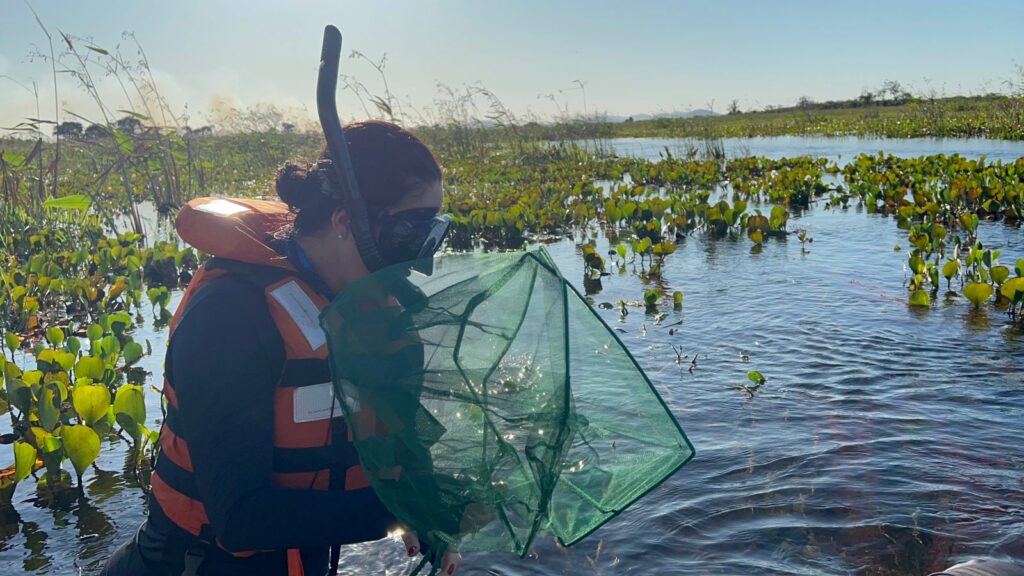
132 126
891 93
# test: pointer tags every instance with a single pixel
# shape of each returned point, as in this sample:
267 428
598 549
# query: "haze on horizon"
541 59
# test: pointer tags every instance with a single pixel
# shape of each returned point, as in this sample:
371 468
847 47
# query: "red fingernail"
451 568
412 550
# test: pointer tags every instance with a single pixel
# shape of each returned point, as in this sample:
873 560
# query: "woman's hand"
449 563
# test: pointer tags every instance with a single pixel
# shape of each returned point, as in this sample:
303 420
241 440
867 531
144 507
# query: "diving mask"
413 235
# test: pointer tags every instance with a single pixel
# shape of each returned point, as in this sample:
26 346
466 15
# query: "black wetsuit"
223 362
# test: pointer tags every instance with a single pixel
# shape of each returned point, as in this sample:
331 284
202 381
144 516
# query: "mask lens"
411 234
438 230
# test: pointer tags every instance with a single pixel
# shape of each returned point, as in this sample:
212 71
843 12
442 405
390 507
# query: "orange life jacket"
310 436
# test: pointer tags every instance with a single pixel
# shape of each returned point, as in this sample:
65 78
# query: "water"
835 149
886 440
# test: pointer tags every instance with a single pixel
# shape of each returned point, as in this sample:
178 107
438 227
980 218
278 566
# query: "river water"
836 149
886 440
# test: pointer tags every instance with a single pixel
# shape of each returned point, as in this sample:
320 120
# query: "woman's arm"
225 359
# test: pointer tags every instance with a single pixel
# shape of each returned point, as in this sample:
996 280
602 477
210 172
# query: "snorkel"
347 188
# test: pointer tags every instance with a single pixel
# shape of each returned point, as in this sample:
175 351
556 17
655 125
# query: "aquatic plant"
757 380
70 296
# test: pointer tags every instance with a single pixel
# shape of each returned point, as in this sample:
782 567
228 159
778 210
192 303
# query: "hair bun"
296 185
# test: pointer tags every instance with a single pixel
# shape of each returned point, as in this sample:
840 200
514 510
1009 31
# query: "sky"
540 58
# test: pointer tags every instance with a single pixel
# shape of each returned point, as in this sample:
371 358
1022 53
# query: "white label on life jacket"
221 207
316 402
303 312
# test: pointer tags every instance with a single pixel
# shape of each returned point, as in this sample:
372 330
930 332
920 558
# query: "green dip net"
500 407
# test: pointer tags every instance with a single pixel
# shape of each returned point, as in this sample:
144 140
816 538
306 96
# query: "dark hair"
389 164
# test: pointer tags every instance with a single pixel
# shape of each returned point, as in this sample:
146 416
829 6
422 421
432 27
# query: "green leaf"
24 460
94 332
120 322
48 409
159 296
916 264
73 202
66 360
651 297
111 346
82 445
777 219
1019 267
55 336
91 401
90 367
130 409
978 292
12 158
32 377
756 377
1000 274
920 298
1012 288
132 352
621 250
12 341
677 299
51 444
74 345
46 361
58 381
950 269
19 394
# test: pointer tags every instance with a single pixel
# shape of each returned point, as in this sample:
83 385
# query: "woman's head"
398 178
390 165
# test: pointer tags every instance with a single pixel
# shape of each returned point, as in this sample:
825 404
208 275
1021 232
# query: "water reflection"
978 320
34 544
96 535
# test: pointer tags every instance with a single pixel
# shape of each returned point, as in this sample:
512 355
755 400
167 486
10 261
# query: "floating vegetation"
70 296
940 200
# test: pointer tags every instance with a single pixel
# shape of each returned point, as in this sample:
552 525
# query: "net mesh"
499 407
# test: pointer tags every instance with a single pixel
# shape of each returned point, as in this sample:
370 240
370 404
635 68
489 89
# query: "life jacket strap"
295 563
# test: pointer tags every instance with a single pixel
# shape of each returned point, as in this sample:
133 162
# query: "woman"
256 473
